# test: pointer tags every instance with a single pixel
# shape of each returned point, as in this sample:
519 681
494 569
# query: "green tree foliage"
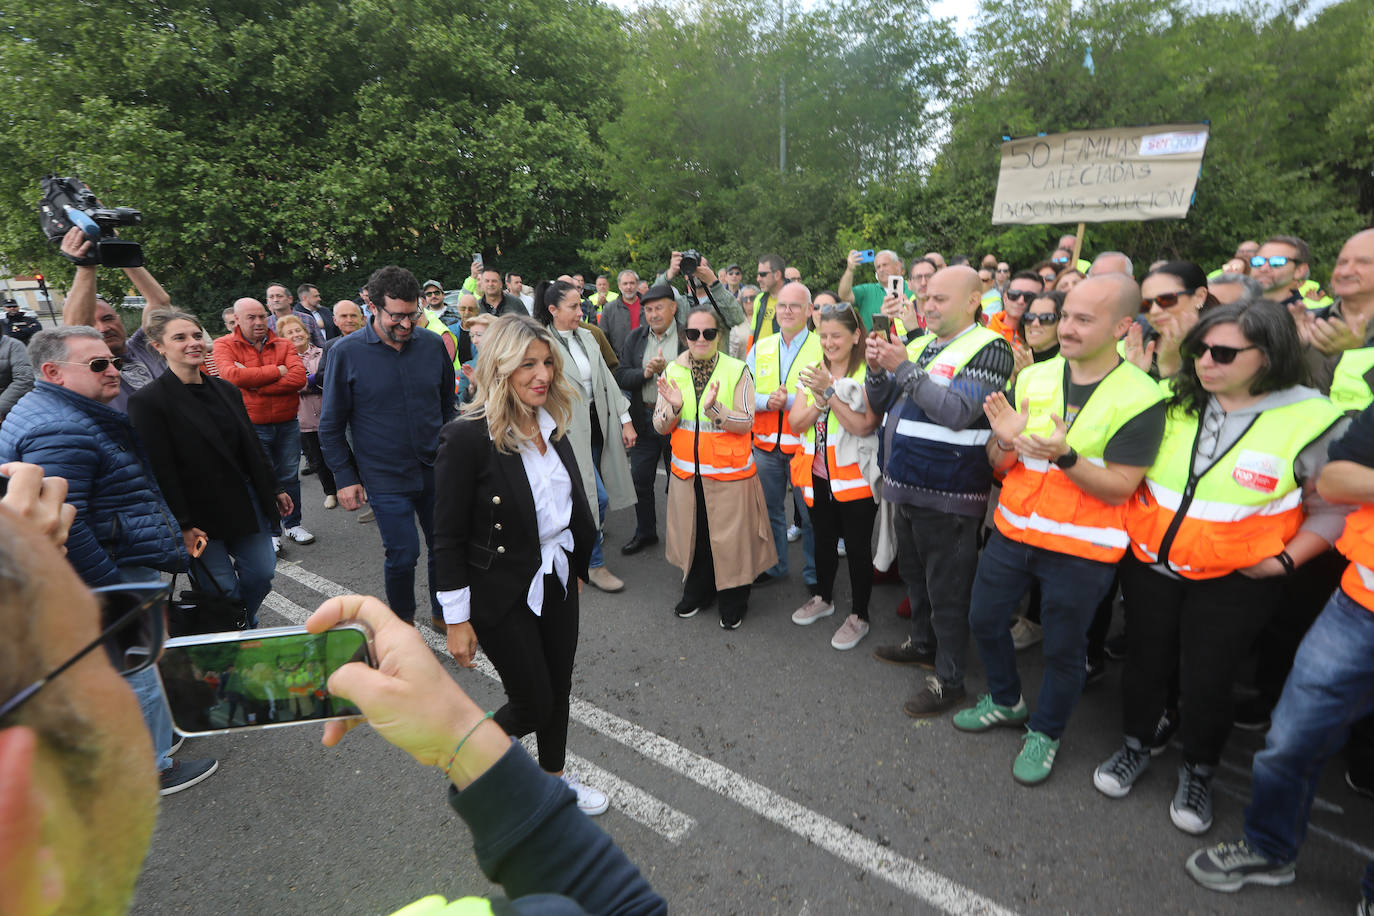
308 139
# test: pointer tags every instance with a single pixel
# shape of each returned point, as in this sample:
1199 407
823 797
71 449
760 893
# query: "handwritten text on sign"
1097 176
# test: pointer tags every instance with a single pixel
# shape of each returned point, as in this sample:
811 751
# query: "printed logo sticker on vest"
1257 471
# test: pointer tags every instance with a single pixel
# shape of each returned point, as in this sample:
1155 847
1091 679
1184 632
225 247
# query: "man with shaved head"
1073 443
1111 262
936 473
269 374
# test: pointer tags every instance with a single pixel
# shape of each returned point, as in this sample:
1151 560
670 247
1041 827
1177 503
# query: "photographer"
702 279
142 364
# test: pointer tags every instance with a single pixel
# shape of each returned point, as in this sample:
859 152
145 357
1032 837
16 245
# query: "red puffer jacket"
269 396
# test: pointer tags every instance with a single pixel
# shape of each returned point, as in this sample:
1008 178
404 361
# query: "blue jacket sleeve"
77 459
530 838
337 407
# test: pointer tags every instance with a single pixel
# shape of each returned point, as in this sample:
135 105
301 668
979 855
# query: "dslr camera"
68 202
691 260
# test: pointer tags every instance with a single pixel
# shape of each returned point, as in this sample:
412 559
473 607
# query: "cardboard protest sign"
1099 176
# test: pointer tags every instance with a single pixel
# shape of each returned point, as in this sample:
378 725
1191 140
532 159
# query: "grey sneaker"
1230 866
905 654
934 698
1025 633
812 611
1191 809
1115 777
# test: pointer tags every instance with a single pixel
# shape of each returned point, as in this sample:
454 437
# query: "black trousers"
314 457
1204 629
853 521
700 585
534 656
650 452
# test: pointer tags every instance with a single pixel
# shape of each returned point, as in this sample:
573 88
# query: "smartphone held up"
219 682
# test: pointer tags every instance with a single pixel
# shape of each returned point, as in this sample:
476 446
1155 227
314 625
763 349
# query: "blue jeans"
774 475
152 702
282 442
1070 590
603 500
396 516
1330 688
241 567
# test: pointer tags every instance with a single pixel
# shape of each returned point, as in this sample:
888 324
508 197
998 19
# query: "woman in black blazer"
513 534
209 463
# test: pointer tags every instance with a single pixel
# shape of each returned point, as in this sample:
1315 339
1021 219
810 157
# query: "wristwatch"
829 392
1067 460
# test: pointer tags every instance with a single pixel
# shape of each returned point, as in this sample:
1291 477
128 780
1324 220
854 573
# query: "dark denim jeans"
283 444
397 514
775 474
1070 589
1330 688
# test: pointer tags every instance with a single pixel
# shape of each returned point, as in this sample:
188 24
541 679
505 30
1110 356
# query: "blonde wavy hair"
289 320
503 350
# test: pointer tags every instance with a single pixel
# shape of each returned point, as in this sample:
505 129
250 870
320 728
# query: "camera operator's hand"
851 262
882 353
674 265
892 305
76 246
705 274
41 500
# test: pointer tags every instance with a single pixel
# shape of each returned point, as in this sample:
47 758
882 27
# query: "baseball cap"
428 283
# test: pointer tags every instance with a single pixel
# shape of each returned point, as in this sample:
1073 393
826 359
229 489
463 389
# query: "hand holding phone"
882 326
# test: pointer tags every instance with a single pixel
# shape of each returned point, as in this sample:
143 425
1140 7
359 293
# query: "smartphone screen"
268 678
881 324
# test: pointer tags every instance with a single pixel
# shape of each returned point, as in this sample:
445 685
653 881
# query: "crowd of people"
1026 449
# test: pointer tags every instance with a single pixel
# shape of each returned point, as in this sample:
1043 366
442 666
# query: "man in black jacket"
648 350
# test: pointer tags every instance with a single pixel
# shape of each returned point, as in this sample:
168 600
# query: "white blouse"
552 490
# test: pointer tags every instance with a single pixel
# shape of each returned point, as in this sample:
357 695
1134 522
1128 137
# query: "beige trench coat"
610 405
741 541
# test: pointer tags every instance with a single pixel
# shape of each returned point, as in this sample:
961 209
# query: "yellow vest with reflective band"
434 321
1349 390
1039 505
1357 543
847 482
1313 296
1245 508
698 446
771 429
434 905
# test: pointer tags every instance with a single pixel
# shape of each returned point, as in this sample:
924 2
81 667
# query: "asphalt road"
755 771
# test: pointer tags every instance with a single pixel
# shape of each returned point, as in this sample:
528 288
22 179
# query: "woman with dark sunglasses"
1229 506
1040 327
718 532
1173 295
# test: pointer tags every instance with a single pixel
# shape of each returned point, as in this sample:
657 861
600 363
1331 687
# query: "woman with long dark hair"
1173 296
512 534
1229 506
829 472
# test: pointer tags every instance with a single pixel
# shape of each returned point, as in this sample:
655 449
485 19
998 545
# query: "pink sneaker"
850 633
812 611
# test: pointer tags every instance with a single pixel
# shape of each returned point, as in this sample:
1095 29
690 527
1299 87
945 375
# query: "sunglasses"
1059 260
1045 318
1164 300
131 620
696 333
836 309
434 292
97 365
1222 356
1276 260
1026 294
1048 278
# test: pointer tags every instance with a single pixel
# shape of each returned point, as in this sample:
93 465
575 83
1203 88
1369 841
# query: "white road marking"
844 843
632 801
1244 795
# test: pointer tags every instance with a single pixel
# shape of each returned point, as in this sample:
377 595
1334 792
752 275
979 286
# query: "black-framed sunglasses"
1048 319
1026 294
696 333
97 365
1164 300
434 292
132 628
1222 356
1276 260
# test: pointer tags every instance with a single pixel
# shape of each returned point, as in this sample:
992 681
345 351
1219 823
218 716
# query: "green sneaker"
1036 759
987 714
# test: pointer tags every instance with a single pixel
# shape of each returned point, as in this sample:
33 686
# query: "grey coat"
16 374
610 405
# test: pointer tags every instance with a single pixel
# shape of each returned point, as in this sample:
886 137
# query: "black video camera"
691 260
68 202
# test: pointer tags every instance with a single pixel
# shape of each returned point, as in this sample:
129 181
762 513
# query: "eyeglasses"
402 317
434 292
131 618
1004 270
766 273
1222 356
1026 294
97 365
1164 300
695 333
1048 278
1045 318
1275 260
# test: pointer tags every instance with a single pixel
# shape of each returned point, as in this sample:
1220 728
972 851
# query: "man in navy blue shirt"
393 388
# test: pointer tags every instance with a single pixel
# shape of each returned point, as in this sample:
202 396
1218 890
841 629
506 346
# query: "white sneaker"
331 501
300 535
793 534
589 801
839 548
812 611
276 545
1025 633
850 633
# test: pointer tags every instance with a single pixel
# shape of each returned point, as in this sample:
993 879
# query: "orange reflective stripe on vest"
1357 543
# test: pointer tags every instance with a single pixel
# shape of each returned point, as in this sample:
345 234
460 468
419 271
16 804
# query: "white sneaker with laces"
840 548
331 501
589 801
793 534
276 545
299 535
